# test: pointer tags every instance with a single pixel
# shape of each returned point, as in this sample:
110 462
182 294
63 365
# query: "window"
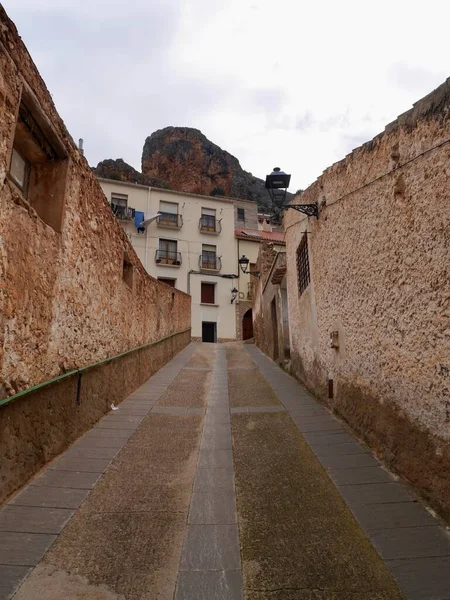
169 213
241 214
119 206
20 171
209 260
303 274
208 293
38 165
208 220
128 270
167 281
119 199
168 253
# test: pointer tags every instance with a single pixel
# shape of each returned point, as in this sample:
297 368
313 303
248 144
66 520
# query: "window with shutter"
208 293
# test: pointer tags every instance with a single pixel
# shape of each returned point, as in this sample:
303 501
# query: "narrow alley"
220 477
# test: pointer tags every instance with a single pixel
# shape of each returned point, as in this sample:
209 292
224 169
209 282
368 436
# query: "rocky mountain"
182 158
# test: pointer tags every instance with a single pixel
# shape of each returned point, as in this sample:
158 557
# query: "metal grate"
303 274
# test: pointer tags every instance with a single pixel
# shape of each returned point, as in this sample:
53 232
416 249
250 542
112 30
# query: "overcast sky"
289 83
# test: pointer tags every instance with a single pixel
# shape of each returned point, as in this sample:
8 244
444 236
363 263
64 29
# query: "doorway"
273 307
247 325
209 332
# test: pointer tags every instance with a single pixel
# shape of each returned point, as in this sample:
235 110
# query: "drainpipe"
146 231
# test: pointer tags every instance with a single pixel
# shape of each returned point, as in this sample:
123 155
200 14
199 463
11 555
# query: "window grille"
303 273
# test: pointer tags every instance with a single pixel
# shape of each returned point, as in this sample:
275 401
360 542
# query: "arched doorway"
247 325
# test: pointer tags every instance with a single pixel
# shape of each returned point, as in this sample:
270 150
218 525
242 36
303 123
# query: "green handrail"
81 369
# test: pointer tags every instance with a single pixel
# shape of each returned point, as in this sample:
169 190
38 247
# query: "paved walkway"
220 477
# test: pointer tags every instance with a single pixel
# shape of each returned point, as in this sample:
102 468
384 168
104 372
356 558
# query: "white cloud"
295 84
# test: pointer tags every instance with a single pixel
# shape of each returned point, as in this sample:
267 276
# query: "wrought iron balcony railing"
170 220
124 213
209 263
209 224
168 257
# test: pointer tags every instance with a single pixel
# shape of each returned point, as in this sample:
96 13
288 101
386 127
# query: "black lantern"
234 293
277 184
243 264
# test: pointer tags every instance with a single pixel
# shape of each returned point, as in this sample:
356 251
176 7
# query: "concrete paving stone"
348 461
313 419
195 411
212 419
169 410
80 452
100 442
307 411
131 411
212 509
23 549
411 542
320 426
108 433
217 442
270 409
121 417
80 465
423 578
211 430
212 480
67 479
49 497
239 410
33 519
122 425
336 449
374 493
211 548
357 475
10 579
215 459
218 410
392 516
326 438
209 585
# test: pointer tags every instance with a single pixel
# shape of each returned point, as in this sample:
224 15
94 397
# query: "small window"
303 274
208 293
208 220
169 213
128 270
38 166
20 171
167 281
241 214
119 199
209 257
168 253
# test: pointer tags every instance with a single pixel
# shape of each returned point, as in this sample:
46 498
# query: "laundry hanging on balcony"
138 221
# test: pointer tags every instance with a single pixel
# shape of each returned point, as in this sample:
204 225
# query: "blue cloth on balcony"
138 218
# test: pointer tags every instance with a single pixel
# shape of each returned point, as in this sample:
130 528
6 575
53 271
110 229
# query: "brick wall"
380 278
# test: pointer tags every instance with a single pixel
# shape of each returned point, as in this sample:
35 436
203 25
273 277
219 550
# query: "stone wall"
250 213
72 290
379 260
241 308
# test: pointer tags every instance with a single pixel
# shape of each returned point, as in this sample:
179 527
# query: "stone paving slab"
67 479
81 465
215 459
211 480
316 438
209 585
99 432
221 441
359 475
51 497
123 425
100 442
33 519
392 516
374 493
347 461
337 449
211 548
412 542
423 578
23 549
89 452
212 509
11 578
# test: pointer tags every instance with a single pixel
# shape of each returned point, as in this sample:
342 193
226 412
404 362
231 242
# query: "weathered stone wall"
64 297
379 259
250 214
241 308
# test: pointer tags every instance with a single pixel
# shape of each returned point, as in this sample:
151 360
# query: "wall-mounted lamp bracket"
310 210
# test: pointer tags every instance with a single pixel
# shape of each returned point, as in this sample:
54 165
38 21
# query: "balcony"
123 213
206 262
170 220
209 224
168 258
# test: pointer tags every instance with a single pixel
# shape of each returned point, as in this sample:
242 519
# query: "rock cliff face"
182 158
192 163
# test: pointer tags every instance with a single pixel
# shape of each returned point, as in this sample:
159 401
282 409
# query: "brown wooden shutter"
207 293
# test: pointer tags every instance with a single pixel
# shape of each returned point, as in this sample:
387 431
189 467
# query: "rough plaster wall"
380 261
63 303
251 214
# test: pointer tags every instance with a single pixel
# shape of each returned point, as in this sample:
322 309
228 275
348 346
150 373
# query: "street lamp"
243 264
234 293
277 184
